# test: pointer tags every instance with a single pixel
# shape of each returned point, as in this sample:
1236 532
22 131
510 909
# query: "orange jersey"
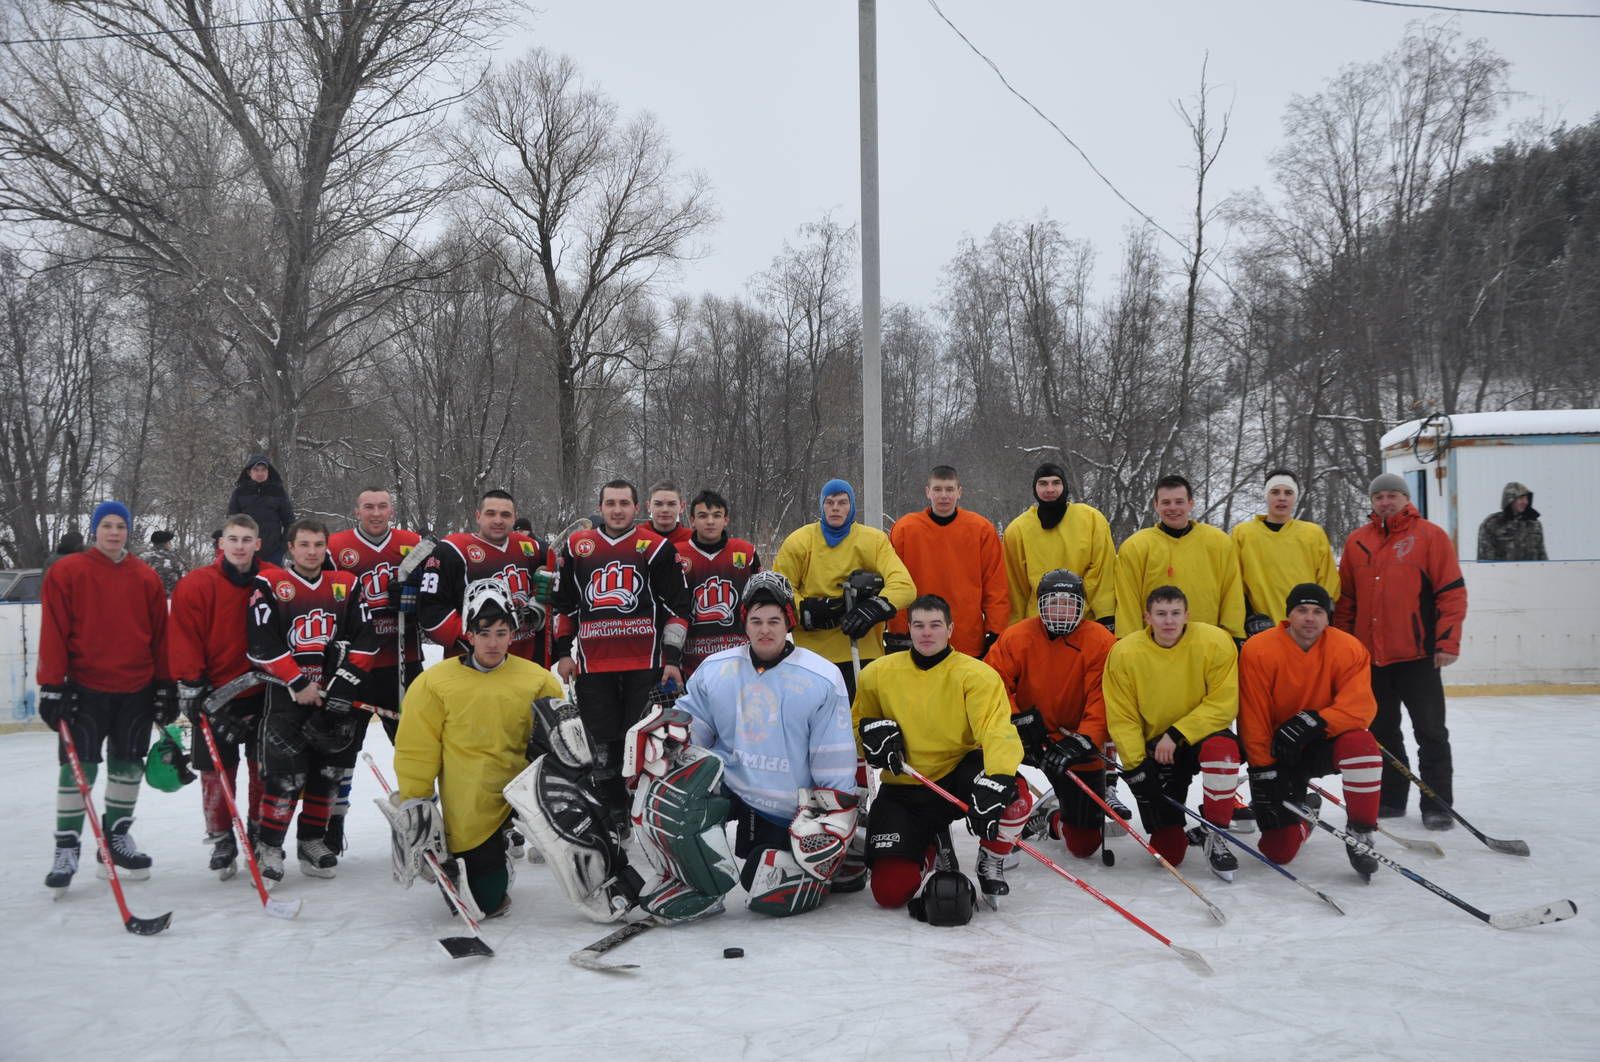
1058 676
1277 679
961 562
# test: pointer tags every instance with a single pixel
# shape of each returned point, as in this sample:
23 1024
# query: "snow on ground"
1054 975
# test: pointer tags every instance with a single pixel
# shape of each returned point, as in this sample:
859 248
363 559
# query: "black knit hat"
1309 594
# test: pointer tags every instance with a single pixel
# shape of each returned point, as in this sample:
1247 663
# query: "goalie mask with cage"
488 599
1061 601
768 588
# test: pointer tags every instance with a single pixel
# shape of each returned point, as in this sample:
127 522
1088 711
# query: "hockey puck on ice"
733 953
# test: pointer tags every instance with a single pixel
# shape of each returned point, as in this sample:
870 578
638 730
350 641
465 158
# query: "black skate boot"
66 861
1364 864
132 864
224 854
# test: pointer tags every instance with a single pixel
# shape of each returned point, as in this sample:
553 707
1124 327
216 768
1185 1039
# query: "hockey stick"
1216 912
1427 848
144 927
589 957
1559 911
1518 848
455 947
274 907
1214 828
402 575
1192 959
238 687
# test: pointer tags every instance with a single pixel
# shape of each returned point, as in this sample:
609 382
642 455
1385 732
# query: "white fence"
19 660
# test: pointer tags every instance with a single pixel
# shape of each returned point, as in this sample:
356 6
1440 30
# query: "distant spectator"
260 493
71 542
1514 533
216 544
161 557
524 525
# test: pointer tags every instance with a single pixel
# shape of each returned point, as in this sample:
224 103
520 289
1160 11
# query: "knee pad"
1283 843
1170 842
1082 841
894 880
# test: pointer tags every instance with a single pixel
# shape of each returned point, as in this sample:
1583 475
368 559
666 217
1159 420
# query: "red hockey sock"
1281 843
1170 842
894 880
213 802
252 810
1360 764
1219 778
1082 841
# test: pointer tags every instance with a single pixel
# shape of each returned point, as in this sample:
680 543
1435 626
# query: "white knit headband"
1281 480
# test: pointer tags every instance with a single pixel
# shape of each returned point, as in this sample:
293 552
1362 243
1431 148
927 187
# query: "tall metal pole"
871 499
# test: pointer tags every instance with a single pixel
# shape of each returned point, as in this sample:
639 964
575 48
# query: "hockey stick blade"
590 958
1559 911
1193 960
1494 844
285 909
148 927
466 948
1513 847
1412 844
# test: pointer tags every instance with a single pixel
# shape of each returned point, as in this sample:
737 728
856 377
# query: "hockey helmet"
946 898
166 767
1061 601
769 588
488 598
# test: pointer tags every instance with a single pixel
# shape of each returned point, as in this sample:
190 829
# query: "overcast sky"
761 97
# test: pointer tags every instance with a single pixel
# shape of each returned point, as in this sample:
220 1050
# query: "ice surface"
1054 975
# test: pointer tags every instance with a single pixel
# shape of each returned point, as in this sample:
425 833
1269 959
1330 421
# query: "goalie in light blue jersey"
760 738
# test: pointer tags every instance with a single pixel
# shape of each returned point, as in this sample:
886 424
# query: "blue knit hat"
109 507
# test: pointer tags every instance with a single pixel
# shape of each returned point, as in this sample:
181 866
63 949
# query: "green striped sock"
122 790
69 802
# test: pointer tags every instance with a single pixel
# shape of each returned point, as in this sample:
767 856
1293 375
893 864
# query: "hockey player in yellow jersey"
1197 558
1172 691
1278 553
1055 533
946 715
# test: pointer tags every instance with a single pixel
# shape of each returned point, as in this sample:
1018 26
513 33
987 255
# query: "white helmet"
488 598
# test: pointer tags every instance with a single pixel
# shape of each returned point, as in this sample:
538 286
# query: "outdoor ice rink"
1054 975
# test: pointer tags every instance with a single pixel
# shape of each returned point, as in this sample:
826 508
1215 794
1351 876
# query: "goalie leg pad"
557 809
680 818
415 828
779 887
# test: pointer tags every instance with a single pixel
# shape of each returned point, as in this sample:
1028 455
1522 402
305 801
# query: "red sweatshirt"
104 623
206 632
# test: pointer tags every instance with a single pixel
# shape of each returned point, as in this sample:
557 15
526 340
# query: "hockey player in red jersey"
494 550
621 596
306 628
372 551
717 567
206 647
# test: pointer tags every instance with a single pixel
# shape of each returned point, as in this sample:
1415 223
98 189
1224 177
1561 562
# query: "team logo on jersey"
312 631
339 591
740 560
283 591
475 554
640 545
583 547
348 557
516 580
614 586
404 550
375 583
527 548
714 601
686 564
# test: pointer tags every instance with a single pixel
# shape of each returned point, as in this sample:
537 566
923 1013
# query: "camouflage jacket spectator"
1510 535
166 564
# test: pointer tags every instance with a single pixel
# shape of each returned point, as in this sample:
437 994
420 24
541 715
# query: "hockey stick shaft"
1509 847
1216 912
1190 958
1426 847
239 828
433 861
1244 846
141 926
1360 847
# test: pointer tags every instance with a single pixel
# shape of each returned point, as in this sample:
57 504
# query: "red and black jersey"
625 599
374 564
206 630
716 576
679 534
293 621
464 558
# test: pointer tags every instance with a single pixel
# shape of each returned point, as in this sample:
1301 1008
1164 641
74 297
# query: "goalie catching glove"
821 831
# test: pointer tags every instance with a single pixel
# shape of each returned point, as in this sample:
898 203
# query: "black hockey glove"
1268 790
227 726
1108 622
821 613
1072 749
865 616
1295 734
991 795
1255 623
894 642
57 703
1034 734
1146 781
989 638
191 695
882 744
330 730
164 703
